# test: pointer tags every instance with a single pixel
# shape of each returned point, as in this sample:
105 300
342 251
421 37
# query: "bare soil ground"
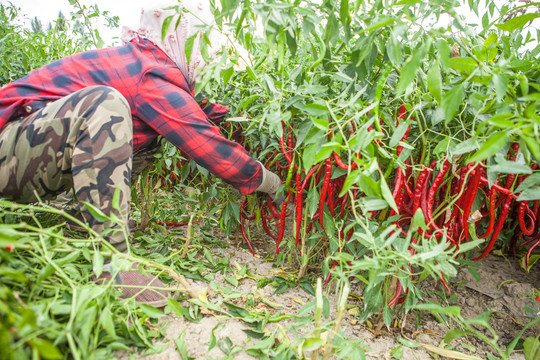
502 290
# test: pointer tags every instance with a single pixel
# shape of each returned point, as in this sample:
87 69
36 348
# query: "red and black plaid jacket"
161 104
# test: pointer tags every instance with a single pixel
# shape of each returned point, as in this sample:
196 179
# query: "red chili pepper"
521 218
329 273
299 203
282 221
324 189
290 142
408 171
243 230
492 193
469 200
341 164
397 194
444 283
168 223
498 227
432 191
402 111
343 204
272 206
309 174
284 151
399 149
265 219
399 287
242 206
499 188
529 252
330 199
418 189
423 199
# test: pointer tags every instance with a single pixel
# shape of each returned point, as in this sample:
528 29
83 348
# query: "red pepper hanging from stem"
431 194
299 202
492 195
282 221
324 189
469 200
498 227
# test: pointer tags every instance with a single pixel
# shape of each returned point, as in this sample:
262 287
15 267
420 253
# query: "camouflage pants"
83 141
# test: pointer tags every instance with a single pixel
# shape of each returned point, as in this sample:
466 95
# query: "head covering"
197 18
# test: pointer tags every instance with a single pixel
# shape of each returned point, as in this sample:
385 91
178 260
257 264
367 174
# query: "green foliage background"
320 67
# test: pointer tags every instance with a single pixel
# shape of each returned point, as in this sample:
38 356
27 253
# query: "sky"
129 12
47 10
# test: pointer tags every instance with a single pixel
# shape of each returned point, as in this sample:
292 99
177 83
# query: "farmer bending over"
80 122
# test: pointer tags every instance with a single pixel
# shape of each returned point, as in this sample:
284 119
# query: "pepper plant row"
387 127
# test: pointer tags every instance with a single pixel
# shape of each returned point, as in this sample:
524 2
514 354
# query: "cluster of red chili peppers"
446 194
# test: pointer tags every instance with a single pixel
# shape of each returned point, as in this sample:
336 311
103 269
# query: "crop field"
407 141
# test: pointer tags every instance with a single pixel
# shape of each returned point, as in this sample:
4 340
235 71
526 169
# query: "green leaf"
447 310
213 341
451 102
482 319
531 348
312 344
442 146
188 46
493 145
533 145
530 181
151 312
321 124
530 194
232 280
387 194
251 73
308 157
502 120
175 307
166 25
181 346
97 265
419 220
510 167
350 180
106 320
46 349
408 73
373 204
398 134
387 316
393 49
444 53
318 110
435 82
369 186
464 64
397 352
464 147
325 152
500 83
96 213
517 22
450 354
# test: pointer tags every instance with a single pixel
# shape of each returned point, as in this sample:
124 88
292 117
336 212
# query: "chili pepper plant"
406 138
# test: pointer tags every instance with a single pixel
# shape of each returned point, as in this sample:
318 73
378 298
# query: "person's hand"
214 111
270 185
